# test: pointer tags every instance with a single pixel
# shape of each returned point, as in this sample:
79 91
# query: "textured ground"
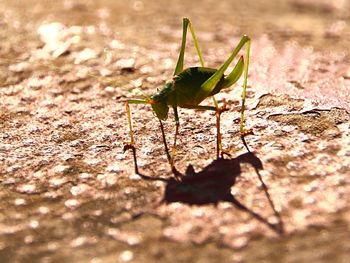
68 193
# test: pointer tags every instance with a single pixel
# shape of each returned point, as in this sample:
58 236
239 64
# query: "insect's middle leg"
173 152
218 111
164 141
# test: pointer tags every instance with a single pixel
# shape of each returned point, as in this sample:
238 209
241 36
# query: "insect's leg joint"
246 37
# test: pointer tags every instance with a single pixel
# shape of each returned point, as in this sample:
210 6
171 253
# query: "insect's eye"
155 98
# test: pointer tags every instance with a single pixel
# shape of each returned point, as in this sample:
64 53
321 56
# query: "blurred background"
319 23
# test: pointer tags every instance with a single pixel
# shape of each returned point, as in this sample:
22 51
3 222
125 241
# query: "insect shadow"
213 184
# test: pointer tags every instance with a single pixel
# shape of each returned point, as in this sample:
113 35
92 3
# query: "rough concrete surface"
68 192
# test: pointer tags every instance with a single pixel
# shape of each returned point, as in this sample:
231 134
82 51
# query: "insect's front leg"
131 145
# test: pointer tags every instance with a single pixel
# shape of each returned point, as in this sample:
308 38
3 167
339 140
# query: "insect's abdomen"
188 83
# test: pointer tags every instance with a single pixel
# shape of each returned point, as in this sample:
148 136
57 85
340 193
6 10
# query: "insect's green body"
183 90
189 87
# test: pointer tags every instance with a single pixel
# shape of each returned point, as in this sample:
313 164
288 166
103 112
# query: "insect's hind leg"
244 132
164 141
208 86
180 62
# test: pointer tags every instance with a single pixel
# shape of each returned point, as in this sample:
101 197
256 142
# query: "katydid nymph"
189 87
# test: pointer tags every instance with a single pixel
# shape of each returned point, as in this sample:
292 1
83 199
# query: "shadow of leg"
254 161
276 213
132 147
240 206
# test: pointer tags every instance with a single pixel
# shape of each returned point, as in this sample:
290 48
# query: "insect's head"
161 109
159 102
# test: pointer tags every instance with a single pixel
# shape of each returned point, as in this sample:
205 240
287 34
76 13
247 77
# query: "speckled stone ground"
68 192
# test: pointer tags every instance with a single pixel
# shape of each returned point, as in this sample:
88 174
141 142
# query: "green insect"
189 87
